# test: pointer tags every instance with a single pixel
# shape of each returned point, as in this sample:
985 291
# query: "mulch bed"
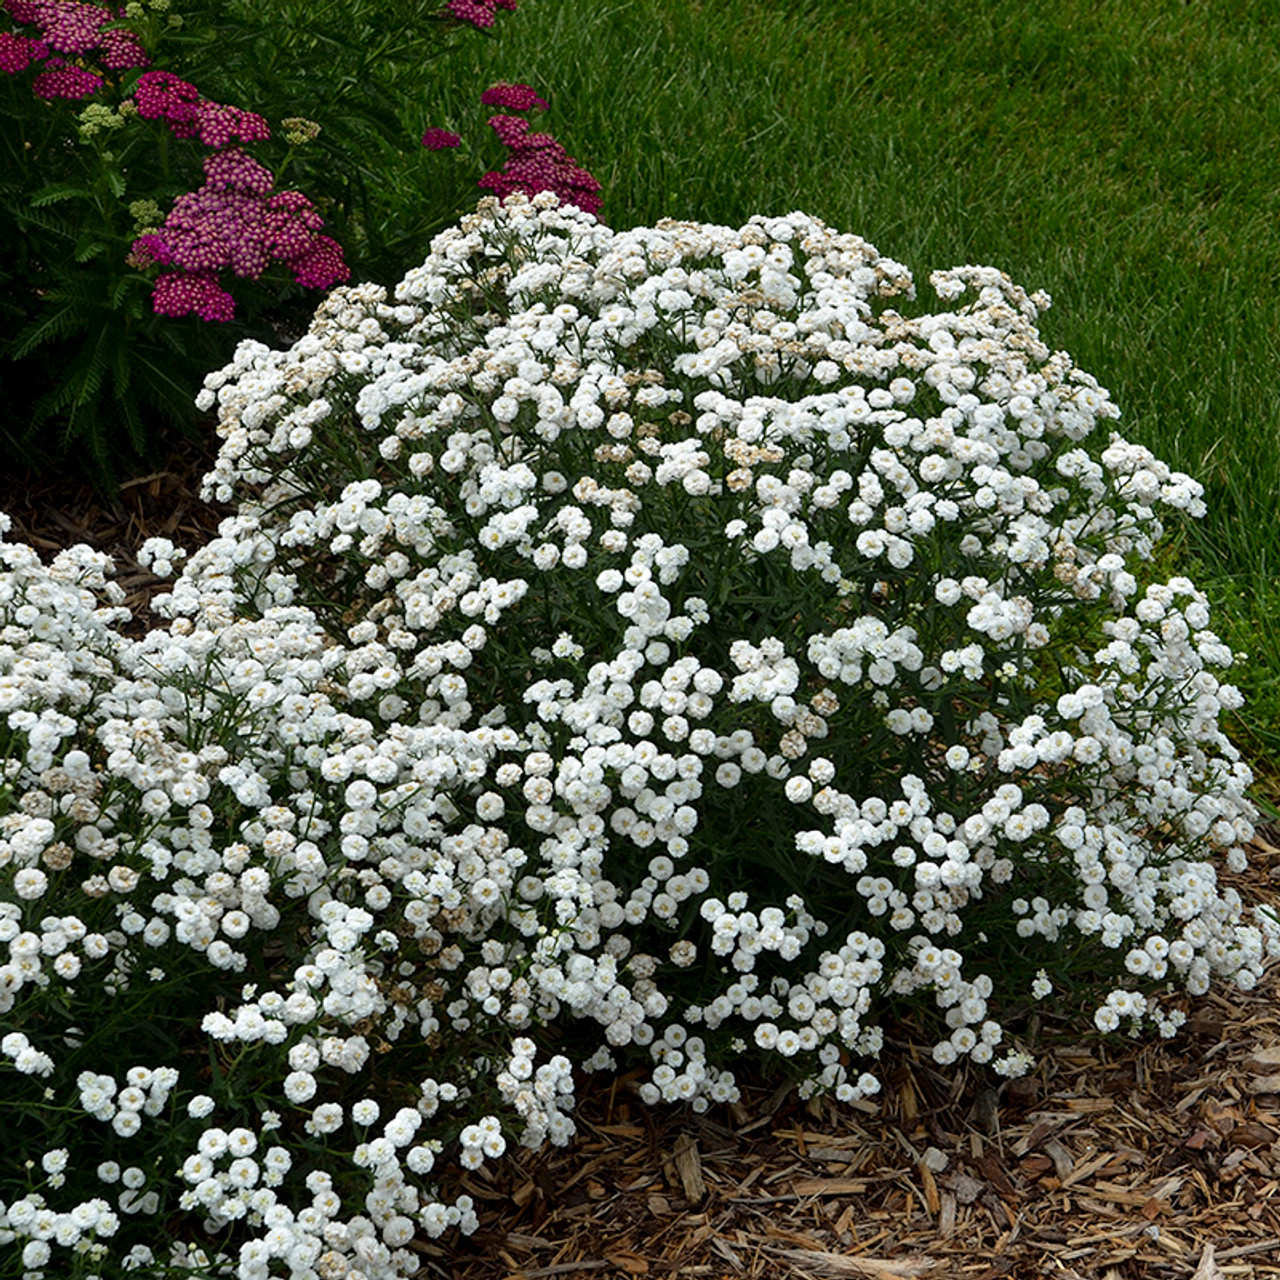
1115 1160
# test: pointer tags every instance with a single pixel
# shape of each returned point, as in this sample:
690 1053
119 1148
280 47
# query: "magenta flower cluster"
62 80
17 53
440 140
479 13
160 95
67 27
512 97
537 162
235 220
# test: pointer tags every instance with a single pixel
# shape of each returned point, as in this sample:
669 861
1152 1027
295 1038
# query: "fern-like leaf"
56 323
63 227
81 381
59 191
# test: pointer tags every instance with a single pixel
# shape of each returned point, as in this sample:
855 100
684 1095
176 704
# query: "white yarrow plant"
676 638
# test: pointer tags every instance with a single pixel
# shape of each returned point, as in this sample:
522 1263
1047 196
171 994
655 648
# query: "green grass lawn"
1121 155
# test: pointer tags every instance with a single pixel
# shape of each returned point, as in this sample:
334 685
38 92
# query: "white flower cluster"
29 1061
145 1092
657 633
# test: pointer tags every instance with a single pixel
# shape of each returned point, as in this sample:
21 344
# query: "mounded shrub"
653 645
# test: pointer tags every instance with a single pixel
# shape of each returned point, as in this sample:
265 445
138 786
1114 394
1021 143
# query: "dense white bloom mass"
680 631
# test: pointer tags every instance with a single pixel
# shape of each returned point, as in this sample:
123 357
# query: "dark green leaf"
89 247
59 191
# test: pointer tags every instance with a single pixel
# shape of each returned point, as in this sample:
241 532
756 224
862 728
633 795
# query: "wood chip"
1037 1134
1264 1061
632 1263
931 1200
560 1269
1207 1268
947 1215
966 1189
688 1168
991 1169
831 1186
725 1250
1063 1161
838 1265
516 1240
1087 1169
1119 1195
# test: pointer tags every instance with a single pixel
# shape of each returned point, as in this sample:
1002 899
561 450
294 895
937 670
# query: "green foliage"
361 71
91 376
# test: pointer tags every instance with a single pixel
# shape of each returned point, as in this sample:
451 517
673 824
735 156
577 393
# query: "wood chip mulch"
1115 1160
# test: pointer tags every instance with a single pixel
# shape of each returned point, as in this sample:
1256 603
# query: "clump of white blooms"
655 632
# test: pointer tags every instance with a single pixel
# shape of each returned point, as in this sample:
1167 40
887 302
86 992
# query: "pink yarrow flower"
321 265
236 170
67 26
28 11
73 28
122 50
512 97
187 293
235 222
539 163
17 53
62 81
511 130
160 95
219 125
440 139
479 13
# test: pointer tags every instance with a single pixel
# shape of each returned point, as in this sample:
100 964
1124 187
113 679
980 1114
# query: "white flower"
30 883
327 1118
299 1086
365 1112
126 1123
35 1253
241 1142
798 789
766 1035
